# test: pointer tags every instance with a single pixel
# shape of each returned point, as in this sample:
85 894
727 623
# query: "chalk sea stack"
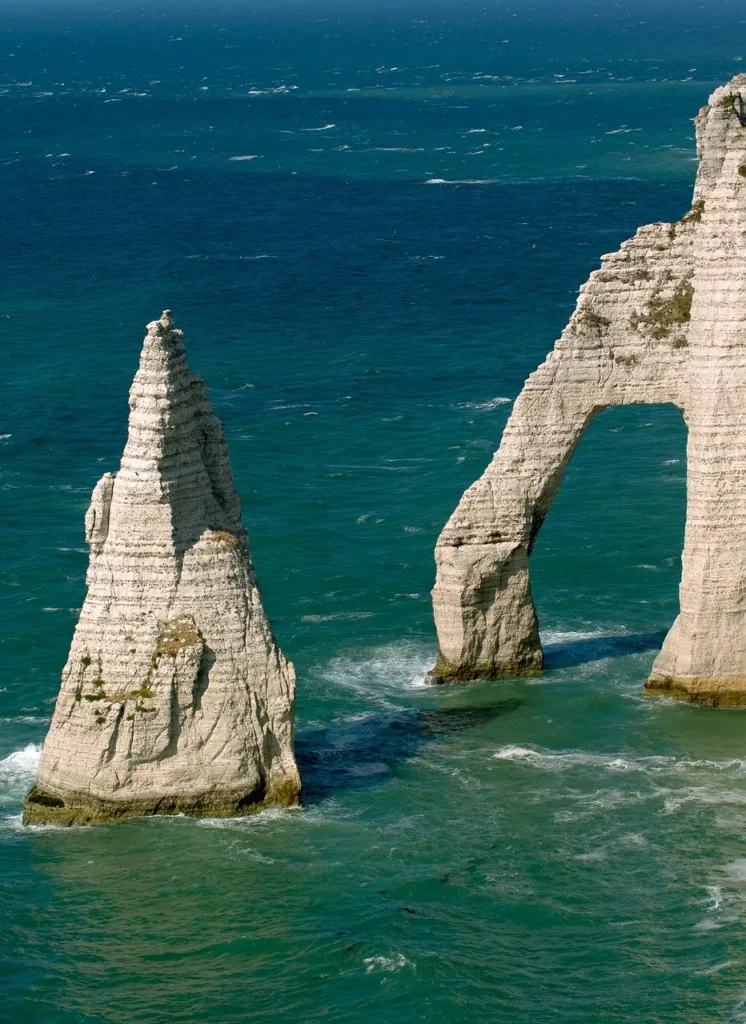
662 320
175 697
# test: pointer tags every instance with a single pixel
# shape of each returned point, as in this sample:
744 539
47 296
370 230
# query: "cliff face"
662 320
175 696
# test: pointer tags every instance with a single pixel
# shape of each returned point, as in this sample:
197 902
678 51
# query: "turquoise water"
364 297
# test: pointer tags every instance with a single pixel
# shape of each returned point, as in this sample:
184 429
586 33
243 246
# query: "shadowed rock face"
662 320
175 697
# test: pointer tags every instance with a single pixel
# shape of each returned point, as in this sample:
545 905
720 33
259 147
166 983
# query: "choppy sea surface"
371 223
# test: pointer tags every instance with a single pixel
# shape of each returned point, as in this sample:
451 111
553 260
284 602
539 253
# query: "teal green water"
364 297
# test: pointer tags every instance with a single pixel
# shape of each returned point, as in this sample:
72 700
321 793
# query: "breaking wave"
379 676
492 403
559 761
390 964
18 770
462 181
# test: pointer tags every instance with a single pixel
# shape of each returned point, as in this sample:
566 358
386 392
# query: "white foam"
390 964
461 181
18 770
514 753
715 893
23 762
14 823
271 92
550 760
380 676
593 857
323 128
564 636
261 818
736 870
708 924
718 967
491 403
675 799
247 156
26 719
338 617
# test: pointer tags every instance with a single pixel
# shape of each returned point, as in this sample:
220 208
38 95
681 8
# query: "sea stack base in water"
175 697
44 808
662 321
720 692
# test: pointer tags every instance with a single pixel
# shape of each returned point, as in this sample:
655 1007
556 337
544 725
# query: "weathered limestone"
662 320
175 696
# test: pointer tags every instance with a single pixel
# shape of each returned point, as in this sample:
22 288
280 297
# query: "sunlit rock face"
662 320
175 697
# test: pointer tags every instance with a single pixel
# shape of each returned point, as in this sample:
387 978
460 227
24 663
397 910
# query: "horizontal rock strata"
175 697
662 321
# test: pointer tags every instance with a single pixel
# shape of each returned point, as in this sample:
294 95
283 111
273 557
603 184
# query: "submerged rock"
175 697
662 320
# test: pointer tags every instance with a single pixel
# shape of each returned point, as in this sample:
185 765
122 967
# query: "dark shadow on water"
364 752
578 652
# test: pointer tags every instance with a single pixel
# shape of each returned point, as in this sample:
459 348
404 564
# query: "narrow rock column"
662 321
175 697
482 599
704 656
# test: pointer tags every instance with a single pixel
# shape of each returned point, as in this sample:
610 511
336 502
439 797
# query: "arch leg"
484 611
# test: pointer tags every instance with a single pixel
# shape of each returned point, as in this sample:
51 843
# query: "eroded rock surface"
175 696
662 320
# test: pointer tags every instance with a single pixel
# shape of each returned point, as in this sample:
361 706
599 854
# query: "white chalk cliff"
175 696
662 320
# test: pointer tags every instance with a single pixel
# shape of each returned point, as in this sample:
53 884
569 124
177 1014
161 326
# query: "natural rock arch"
662 321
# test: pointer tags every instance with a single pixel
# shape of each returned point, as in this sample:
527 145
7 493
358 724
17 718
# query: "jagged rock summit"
175 697
662 320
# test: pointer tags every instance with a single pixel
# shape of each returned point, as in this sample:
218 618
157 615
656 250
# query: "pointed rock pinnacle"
175 697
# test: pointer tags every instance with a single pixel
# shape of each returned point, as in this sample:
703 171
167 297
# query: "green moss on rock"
175 636
661 315
695 214
589 319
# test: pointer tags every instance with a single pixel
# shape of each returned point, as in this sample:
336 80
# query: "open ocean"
371 221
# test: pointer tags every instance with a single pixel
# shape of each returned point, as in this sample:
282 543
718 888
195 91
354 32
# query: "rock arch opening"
607 561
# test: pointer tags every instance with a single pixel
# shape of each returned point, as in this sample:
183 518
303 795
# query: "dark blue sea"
371 220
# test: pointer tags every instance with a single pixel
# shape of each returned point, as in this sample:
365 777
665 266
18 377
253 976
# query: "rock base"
709 691
445 672
42 808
